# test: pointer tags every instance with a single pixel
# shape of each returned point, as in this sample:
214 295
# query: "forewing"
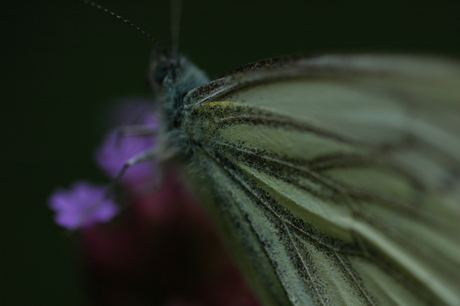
338 175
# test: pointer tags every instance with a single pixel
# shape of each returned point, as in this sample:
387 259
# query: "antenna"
157 43
176 11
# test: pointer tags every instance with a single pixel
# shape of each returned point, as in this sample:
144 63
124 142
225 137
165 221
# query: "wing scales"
296 250
347 185
241 238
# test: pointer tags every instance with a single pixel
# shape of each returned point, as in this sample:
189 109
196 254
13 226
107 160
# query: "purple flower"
84 204
159 252
120 146
117 149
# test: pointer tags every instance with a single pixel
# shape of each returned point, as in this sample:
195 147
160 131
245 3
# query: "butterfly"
334 179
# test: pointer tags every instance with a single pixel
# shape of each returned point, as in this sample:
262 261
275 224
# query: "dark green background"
63 62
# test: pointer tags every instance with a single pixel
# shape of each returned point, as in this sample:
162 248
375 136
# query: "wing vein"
304 264
353 277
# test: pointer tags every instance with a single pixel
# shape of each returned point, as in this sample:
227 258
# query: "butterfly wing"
336 178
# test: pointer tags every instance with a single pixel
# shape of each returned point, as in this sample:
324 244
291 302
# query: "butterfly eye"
160 70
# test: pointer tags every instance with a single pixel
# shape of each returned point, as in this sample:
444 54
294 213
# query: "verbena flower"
164 250
81 205
118 146
85 204
117 149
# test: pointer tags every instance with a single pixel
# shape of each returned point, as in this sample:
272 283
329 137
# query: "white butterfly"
334 179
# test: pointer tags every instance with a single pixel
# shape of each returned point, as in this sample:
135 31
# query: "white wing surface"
336 179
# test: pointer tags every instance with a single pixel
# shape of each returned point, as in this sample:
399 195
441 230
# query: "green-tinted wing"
338 176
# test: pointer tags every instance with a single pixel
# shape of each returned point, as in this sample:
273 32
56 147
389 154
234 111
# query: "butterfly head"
171 78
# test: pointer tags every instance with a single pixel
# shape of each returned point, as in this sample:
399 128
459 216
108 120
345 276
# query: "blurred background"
63 62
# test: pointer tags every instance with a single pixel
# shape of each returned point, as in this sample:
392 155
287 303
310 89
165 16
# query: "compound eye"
160 71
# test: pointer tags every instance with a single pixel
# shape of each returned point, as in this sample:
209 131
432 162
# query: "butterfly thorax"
171 78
